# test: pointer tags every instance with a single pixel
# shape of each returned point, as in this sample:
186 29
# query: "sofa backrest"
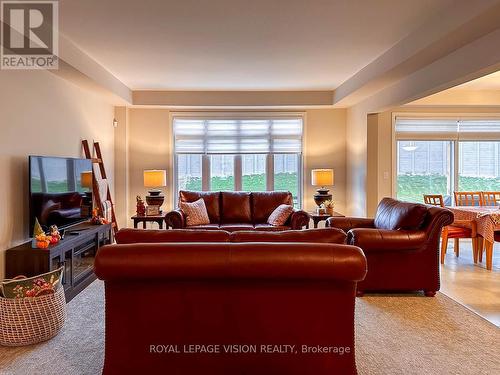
236 207
229 207
128 235
211 199
265 202
321 235
393 214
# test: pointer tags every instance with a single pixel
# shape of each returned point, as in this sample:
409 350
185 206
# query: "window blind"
447 129
233 136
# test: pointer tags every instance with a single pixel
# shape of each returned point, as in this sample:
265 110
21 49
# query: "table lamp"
155 178
322 178
86 180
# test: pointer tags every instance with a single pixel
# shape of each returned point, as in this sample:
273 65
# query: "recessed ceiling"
489 82
239 44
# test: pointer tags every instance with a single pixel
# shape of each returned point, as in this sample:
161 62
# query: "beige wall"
150 147
356 143
42 114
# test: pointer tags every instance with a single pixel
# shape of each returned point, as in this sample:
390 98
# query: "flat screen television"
60 191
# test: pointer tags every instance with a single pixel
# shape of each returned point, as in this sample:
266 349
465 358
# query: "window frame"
238 169
431 136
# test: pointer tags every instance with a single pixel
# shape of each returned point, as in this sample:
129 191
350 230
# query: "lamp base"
155 198
322 196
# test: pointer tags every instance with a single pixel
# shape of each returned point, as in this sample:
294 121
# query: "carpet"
394 335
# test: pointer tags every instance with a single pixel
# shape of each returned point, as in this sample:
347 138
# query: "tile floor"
471 284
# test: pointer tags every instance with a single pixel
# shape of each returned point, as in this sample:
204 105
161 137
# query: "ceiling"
489 82
239 44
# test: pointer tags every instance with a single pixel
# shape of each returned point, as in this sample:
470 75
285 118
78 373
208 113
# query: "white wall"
42 114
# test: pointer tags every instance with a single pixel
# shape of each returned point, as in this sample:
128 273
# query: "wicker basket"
30 320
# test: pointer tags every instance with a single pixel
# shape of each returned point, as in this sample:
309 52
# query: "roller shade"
227 136
447 129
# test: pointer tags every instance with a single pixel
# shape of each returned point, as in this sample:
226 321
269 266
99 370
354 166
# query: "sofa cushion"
129 235
322 235
264 203
211 199
236 226
392 214
196 212
269 227
280 215
204 226
235 207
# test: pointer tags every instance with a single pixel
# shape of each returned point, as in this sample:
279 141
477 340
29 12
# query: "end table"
316 218
160 219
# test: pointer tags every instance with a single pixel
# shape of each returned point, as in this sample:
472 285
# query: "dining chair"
459 229
434 200
490 198
468 198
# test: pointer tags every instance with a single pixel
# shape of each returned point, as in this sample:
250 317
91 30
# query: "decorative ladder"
95 187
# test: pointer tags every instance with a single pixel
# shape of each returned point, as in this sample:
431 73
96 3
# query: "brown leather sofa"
401 245
321 235
238 210
163 299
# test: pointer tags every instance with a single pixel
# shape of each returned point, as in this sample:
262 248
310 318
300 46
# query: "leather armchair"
181 294
401 245
232 211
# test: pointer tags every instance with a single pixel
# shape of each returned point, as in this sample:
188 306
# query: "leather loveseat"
230 308
238 210
401 245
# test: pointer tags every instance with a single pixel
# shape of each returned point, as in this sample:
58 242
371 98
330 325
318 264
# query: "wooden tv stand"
76 253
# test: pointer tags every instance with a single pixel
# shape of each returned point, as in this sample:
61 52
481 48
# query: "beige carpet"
395 335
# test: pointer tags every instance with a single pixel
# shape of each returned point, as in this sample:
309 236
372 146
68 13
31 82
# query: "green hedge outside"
413 187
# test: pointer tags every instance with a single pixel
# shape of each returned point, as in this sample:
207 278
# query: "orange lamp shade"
322 177
155 178
86 179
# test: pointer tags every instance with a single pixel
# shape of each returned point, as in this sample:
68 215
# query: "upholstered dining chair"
490 198
468 198
461 229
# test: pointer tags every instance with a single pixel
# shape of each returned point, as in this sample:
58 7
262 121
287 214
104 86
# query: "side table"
160 219
316 218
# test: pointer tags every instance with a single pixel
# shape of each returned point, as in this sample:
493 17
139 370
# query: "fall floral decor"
97 219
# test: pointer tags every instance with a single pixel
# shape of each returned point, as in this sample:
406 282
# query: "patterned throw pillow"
280 215
196 212
35 286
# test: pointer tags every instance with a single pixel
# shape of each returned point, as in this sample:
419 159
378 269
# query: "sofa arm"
348 223
370 239
176 219
299 219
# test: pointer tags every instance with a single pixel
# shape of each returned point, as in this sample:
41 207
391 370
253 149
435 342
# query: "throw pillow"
196 212
280 215
35 286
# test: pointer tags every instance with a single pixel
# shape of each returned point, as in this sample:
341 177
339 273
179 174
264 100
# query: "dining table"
487 219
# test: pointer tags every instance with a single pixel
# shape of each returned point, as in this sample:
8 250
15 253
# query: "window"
423 167
479 166
439 156
251 154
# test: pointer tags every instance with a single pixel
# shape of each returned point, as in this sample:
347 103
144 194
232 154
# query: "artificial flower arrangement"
328 205
42 240
96 219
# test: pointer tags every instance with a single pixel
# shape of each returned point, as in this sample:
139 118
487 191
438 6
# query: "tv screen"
60 191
